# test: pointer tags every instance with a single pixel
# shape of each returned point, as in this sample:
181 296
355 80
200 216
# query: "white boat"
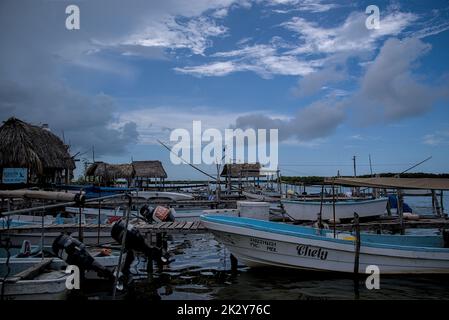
152 195
33 281
260 196
344 209
264 243
110 261
23 220
35 238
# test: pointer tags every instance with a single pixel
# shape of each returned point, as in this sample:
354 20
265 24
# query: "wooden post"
234 263
442 203
388 208
400 209
99 219
437 206
80 226
164 241
320 214
149 259
357 254
433 202
333 210
42 236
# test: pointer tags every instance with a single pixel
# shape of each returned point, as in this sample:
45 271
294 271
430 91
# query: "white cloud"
170 33
314 6
315 121
212 69
352 35
220 13
261 59
280 57
436 139
157 122
389 90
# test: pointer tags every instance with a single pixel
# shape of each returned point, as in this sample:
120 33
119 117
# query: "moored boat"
344 209
264 243
35 281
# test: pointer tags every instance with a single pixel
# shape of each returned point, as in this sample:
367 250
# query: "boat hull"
256 248
309 210
35 239
53 287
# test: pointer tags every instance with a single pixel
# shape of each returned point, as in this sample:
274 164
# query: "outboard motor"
147 213
74 252
158 214
135 242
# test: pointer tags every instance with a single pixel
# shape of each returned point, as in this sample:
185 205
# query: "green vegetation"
310 180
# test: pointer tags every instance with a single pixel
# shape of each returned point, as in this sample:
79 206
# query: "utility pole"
355 171
370 165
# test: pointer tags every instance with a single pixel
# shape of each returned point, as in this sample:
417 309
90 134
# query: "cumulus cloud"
389 90
318 120
38 53
352 35
153 123
314 82
315 46
84 121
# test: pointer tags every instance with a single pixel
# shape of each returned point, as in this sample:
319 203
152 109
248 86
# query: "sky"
312 69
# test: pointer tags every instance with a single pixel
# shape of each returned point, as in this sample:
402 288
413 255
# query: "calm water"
201 272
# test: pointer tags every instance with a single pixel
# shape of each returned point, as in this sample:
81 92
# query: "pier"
166 227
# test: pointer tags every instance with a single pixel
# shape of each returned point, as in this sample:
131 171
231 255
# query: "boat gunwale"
339 202
216 219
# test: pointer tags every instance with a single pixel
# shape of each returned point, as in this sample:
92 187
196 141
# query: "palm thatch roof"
27 146
243 170
110 171
149 169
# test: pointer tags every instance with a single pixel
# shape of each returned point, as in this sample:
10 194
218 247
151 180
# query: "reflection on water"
201 272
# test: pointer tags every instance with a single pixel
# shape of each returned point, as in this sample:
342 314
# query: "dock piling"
234 263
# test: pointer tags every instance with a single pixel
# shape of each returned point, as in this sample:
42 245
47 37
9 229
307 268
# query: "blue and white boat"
304 210
264 243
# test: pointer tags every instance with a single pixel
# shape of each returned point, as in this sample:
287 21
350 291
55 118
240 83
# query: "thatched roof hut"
23 145
109 172
241 170
149 169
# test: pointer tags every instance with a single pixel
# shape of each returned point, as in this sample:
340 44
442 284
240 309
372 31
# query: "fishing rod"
194 167
198 169
414 166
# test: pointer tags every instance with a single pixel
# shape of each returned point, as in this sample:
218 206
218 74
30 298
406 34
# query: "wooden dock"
184 227
166 227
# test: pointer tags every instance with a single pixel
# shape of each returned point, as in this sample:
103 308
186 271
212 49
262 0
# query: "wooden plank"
188 224
172 225
163 225
195 225
180 225
177 224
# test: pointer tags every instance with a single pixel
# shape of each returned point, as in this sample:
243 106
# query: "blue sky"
310 68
